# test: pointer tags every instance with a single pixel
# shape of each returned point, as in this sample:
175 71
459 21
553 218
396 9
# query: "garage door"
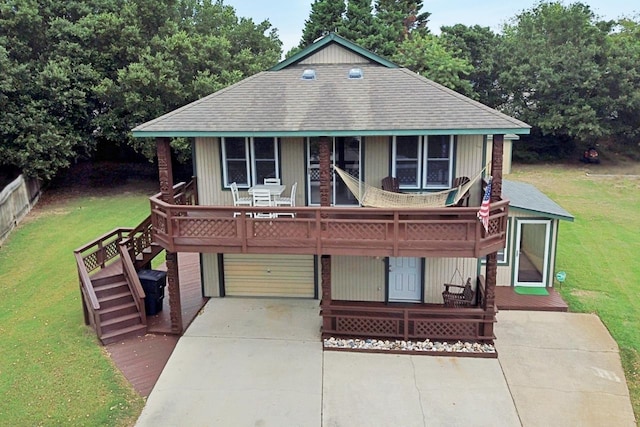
269 275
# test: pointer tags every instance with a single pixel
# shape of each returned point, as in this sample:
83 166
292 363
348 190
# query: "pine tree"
326 16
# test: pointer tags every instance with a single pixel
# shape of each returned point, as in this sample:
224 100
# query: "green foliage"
75 74
53 370
396 20
325 17
427 55
477 45
552 64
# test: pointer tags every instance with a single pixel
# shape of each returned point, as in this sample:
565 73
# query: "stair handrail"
103 249
133 281
139 238
85 283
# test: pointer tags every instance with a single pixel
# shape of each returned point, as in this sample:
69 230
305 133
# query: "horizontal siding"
439 271
269 275
356 278
376 159
210 276
469 161
292 167
334 54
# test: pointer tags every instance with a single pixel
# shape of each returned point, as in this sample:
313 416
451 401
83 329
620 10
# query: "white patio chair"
239 201
288 201
262 198
272 181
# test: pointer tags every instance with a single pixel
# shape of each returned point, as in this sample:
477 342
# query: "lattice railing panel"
352 231
91 261
435 329
280 229
436 231
203 227
111 250
366 326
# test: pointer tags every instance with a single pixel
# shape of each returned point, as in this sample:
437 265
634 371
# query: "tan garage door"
268 275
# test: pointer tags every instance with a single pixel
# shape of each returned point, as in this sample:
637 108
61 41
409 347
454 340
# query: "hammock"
374 197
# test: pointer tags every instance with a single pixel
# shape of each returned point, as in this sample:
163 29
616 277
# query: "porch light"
309 74
356 73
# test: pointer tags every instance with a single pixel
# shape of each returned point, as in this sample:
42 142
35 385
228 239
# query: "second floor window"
248 161
423 162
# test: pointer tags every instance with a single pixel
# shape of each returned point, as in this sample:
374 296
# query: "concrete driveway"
259 362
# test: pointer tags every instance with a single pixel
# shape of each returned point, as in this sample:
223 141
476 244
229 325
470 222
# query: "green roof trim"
333 38
386 132
542 213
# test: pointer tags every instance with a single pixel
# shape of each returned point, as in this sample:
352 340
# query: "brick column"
165 170
325 201
492 259
325 303
173 283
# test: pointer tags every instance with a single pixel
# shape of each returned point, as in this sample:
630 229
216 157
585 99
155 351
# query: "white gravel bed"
397 345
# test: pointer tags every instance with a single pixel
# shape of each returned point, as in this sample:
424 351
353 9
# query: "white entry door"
532 253
404 279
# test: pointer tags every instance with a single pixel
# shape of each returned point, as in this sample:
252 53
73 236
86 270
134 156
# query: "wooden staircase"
119 316
112 296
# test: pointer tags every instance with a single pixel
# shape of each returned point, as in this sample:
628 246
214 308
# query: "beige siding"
292 168
469 161
439 271
210 278
356 278
507 152
209 175
376 159
269 275
334 54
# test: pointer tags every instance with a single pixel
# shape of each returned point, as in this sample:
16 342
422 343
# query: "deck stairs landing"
119 316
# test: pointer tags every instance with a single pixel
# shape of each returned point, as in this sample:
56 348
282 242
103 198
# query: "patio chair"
288 201
464 200
463 298
272 181
239 201
262 198
390 183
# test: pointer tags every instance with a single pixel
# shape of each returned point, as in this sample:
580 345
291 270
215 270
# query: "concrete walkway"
259 362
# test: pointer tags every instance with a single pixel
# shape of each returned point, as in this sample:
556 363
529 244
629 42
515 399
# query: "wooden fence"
16 200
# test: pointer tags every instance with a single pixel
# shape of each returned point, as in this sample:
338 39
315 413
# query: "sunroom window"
248 161
423 162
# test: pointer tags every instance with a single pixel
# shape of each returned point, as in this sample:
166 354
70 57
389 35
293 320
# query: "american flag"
483 213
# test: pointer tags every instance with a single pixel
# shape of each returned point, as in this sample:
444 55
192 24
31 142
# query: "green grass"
600 250
52 370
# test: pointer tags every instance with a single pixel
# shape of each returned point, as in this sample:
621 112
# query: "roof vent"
356 73
309 74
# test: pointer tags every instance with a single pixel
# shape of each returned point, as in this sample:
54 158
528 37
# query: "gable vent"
356 73
309 74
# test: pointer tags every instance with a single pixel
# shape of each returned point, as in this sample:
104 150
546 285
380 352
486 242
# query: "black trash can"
153 282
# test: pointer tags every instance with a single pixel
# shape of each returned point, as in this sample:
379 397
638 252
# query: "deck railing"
445 232
407 321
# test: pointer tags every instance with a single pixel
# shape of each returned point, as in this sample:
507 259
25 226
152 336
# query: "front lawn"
599 251
52 370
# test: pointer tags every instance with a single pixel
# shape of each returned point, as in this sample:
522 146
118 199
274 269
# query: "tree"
477 45
78 73
395 21
326 16
427 55
622 82
552 65
358 24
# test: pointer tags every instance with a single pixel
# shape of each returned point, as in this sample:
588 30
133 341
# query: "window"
248 161
423 162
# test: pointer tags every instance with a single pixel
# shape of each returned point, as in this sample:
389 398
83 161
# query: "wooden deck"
142 359
508 299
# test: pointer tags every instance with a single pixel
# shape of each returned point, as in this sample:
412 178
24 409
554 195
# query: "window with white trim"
423 162
248 161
